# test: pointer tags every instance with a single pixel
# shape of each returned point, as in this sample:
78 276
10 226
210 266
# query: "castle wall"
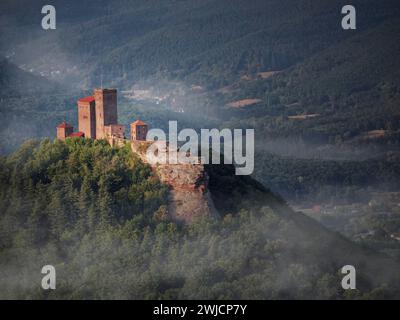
116 130
114 134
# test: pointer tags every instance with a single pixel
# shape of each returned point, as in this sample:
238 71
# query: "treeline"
53 191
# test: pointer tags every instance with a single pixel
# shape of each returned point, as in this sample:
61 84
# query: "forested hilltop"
98 214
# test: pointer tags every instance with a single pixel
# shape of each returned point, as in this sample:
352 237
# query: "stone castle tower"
87 117
106 110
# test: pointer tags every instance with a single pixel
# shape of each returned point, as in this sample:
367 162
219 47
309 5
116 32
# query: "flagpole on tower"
101 78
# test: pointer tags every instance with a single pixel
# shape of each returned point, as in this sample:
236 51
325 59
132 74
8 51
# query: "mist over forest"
324 104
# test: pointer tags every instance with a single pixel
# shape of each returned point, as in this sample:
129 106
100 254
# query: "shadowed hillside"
350 89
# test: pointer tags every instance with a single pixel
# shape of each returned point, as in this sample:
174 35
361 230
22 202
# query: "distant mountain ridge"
208 41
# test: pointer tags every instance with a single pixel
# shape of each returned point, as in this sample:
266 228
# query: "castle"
98 119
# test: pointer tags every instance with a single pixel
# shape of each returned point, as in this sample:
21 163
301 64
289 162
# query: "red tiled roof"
77 134
87 99
138 123
64 125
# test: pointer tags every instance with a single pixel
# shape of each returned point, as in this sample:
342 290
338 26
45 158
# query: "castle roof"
64 125
138 123
78 134
87 99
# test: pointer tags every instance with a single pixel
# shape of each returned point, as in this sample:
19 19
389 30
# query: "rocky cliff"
189 196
